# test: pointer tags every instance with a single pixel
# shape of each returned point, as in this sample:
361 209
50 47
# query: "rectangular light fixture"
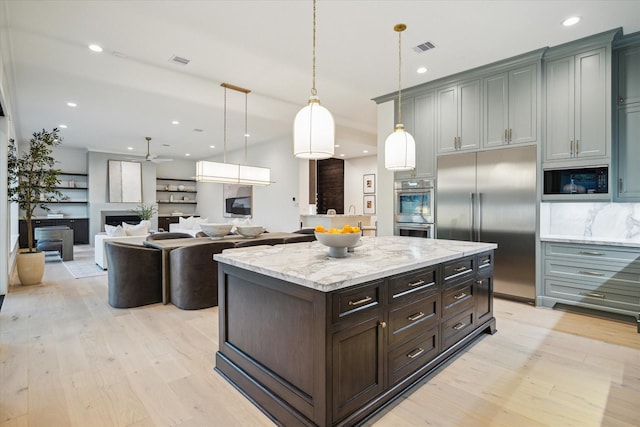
232 173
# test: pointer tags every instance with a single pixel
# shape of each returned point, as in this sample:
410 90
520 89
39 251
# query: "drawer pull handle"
416 316
360 302
486 261
479 282
383 324
414 284
594 253
592 294
415 353
460 295
460 269
591 273
459 326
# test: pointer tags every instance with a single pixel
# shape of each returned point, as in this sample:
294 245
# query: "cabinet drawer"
413 285
612 275
359 300
407 322
592 253
457 298
485 261
413 355
457 270
602 296
456 328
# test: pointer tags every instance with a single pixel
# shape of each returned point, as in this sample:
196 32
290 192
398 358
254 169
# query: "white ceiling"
131 90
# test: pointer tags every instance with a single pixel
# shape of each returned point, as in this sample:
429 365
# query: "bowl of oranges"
338 239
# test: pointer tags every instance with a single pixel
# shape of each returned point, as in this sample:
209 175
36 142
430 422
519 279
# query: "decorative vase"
30 267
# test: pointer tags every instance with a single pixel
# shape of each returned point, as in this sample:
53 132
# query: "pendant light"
313 127
399 147
231 173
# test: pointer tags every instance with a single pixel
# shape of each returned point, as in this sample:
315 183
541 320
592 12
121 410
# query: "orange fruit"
355 229
319 229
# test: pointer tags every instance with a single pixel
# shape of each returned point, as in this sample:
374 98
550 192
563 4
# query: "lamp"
231 173
399 147
313 127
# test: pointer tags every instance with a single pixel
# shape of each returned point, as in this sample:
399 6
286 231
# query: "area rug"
83 264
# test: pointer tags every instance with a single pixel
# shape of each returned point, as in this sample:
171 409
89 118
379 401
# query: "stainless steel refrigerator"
490 196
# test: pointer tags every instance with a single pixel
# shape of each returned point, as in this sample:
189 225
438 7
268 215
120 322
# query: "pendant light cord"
399 76
246 134
314 92
225 125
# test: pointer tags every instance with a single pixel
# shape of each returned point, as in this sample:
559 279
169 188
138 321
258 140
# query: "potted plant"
32 183
145 212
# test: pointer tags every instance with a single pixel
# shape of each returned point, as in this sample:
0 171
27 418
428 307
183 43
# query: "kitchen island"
313 340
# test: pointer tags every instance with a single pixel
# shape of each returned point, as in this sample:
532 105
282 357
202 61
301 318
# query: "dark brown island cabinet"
313 345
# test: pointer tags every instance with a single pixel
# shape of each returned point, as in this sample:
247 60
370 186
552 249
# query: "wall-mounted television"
238 206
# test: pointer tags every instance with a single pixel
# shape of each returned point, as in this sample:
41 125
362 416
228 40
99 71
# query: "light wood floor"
69 359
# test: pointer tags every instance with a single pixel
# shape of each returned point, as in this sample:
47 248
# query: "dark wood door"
358 367
330 186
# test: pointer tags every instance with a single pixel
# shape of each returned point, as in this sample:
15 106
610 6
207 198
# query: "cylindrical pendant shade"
400 150
313 132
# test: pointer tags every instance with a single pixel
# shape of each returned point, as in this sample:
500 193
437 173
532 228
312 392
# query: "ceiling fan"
149 157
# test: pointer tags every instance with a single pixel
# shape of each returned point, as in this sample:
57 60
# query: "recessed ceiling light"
187 154
247 135
175 122
95 48
337 145
365 151
342 155
573 20
62 126
421 70
129 148
72 104
212 146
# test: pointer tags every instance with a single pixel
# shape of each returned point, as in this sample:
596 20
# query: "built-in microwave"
589 183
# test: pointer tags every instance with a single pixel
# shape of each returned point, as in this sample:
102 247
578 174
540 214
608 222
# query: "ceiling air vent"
423 47
179 60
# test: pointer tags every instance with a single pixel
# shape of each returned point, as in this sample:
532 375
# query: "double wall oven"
414 208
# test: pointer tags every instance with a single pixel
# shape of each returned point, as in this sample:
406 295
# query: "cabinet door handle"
383 324
621 100
571 148
478 282
360 301
415 353
414 284
594 253
620 185
460 295
577 147
592 294
510 135
416 316
460 269
459 326
506 137
591 273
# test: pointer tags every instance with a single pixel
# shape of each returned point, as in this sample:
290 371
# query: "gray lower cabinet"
511 107
605 278
577 99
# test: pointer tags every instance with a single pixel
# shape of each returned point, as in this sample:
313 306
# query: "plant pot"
30 267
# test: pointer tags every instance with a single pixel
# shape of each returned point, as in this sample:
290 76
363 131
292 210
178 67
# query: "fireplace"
116 218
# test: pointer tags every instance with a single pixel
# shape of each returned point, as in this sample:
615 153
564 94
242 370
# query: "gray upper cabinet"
419 116
629 76
511 107
576 115
627 185
458 114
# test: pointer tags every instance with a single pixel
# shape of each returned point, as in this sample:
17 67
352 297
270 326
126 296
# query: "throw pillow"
197 222
186 223
141 229
112 231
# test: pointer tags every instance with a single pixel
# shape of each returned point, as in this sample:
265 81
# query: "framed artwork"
237 200
369 183
369 205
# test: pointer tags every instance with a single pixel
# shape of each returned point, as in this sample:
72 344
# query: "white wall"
354 169
384 178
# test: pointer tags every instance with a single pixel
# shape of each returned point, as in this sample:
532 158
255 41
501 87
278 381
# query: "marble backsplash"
619 221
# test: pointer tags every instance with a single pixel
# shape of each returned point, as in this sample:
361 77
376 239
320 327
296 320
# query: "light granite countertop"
309 264
606 241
